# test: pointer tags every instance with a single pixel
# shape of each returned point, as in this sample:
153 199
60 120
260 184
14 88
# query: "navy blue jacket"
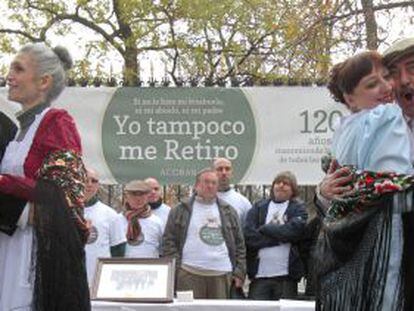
259 235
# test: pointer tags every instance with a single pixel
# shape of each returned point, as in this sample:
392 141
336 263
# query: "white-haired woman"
36 77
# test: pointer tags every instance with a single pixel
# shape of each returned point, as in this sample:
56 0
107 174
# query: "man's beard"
407 92
224 185
406 100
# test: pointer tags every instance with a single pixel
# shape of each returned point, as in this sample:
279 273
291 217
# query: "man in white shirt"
158 207
204 235
273 227
143 228
107 236
240 203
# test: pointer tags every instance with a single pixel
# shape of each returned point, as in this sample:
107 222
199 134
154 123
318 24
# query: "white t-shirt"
274 261
162 212
205 247
149 241
236 200
107 230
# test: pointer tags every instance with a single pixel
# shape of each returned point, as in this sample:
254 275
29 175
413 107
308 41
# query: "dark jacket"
11 207
259 235
7 132
175 234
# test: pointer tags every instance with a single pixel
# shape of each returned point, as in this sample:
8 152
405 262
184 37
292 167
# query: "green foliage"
6 45
247 39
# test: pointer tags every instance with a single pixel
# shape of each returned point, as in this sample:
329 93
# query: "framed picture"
134 280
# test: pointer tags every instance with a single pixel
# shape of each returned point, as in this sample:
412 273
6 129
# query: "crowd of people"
355 253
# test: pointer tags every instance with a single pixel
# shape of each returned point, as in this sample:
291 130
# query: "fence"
173 194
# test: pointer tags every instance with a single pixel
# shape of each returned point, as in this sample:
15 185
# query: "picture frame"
134 280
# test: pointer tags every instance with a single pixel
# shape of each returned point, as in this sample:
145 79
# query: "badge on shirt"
93 235
211 233
279 218
140 239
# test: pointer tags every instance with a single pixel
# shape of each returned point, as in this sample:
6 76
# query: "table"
208 305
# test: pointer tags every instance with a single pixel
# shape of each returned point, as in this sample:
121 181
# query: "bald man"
240 203
159 208
107 237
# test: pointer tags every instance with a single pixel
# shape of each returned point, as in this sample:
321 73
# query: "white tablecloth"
208 305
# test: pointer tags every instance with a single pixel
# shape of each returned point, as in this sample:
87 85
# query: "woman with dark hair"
273 228
359 251
41 261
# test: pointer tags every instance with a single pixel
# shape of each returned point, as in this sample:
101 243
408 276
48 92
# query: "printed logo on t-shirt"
278 218
140 239
211 233
93 235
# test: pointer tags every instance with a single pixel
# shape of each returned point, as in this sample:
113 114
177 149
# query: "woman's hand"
335 184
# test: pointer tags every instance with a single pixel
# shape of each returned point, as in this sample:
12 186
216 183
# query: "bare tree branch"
21 33
380 7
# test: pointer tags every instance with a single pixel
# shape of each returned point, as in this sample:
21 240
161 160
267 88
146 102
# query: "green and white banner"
171 133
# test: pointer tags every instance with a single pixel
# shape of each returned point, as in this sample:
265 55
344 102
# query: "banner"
171 133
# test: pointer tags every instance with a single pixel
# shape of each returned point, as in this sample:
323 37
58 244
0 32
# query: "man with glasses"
107 236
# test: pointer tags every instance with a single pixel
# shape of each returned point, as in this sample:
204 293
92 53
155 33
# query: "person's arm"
246 206
386 144
292 231
117 236
169 245
256 240
239 269
335 184
57 131
159 236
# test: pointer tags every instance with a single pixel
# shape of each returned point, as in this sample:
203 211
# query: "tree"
218 41
257 40
128 26
370 24
351 14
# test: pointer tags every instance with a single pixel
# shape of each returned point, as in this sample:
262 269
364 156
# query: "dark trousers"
273 288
